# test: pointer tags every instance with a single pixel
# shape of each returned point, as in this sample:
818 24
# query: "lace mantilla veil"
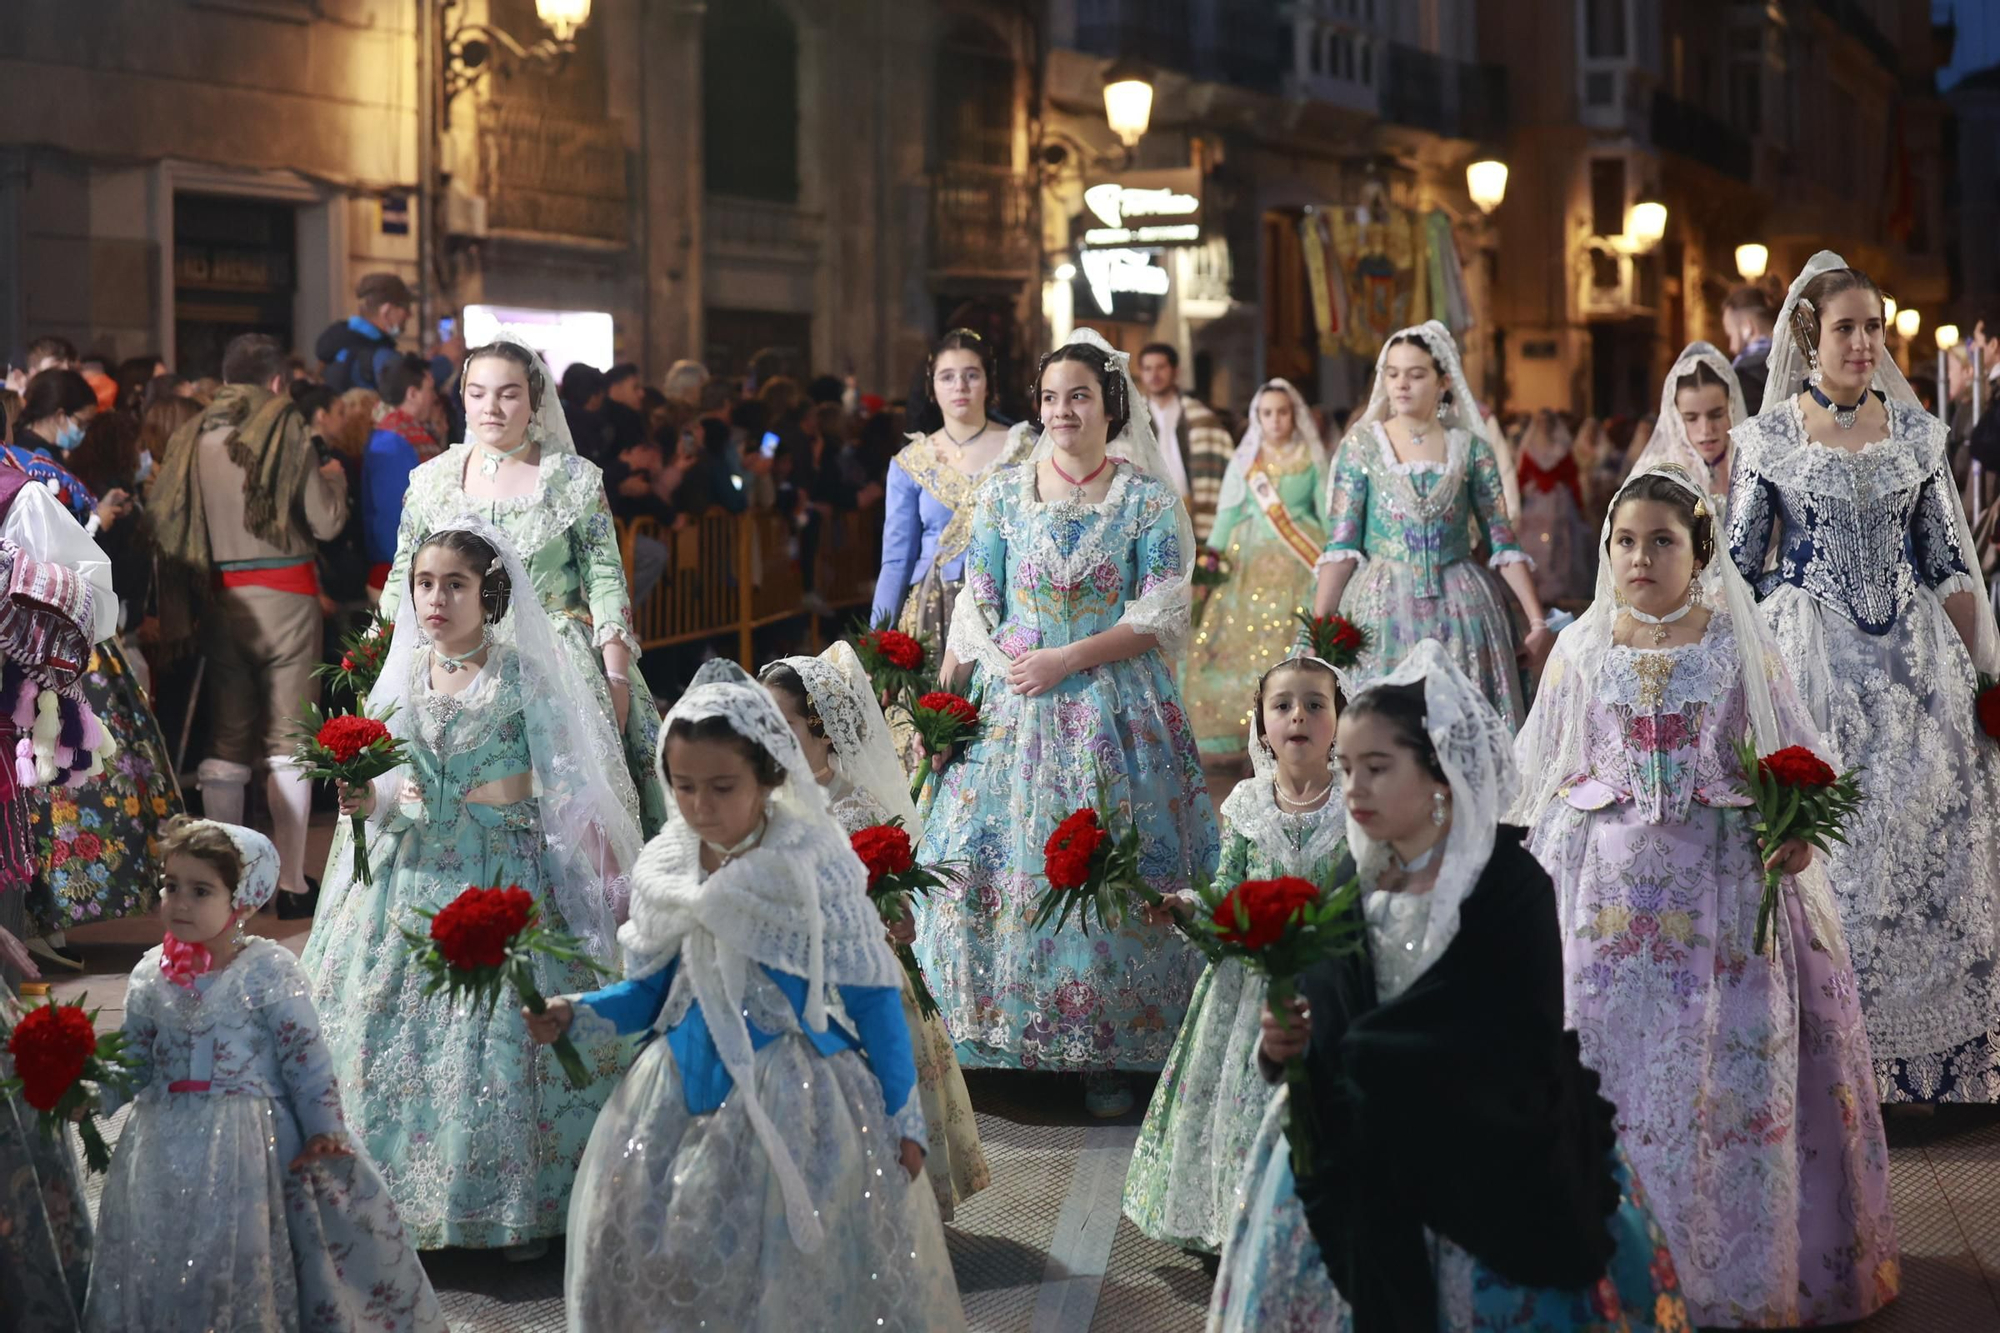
1670 443
1251 808
1234 483
548 427
1476 751
1462 413
797 902
588 808
1162 611
1786 377
864 753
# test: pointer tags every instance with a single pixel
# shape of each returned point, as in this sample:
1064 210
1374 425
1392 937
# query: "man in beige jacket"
247 504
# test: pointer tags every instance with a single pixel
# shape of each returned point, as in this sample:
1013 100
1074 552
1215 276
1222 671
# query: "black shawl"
1461 1106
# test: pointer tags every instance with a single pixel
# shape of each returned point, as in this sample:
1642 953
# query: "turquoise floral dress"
1188 1162
564 533
1043 575
1411 527
477 1130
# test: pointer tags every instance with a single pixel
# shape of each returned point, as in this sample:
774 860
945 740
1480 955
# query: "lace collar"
1297 843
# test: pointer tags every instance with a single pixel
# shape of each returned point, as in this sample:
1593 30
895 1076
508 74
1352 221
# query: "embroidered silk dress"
1862 551
44 1223
564 533
1743 1081
1046 574
1210 1100
926 523
1410 526
477 1131
203 1224
1249 625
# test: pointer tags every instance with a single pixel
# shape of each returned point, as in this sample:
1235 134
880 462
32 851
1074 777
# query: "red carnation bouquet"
941 719
1335 640
362 654
893 660
1090 871
486 937
893 876
1796 794
1278 928
355 748
56 1048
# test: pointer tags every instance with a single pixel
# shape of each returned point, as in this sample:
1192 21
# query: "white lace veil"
1670 443
1163 610
797 902
1461 413
549 427
1234 483
589 810
863 751
1251 808
1476 751
1787 372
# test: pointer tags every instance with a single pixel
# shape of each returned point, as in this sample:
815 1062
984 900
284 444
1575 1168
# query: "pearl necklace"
490 459
1660 623
1311 798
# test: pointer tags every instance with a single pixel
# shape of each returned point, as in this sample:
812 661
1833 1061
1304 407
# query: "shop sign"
1143 209
1124 284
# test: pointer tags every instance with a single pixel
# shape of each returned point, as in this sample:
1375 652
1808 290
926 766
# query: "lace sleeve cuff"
616 629
909 1122
1959 582
1337 555
1501 559
586 1024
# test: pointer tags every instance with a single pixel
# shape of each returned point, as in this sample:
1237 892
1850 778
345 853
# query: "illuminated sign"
1143 208
562 336
1110 273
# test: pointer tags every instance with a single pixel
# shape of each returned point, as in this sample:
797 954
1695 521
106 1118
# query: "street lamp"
1907 323
1128 100
563 17
1752 260
1648 224
1486 182
1889 311
1946 335
470 48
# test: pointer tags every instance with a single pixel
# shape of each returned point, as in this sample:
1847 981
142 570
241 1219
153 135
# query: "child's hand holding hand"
912 1157
319 1147
551 1023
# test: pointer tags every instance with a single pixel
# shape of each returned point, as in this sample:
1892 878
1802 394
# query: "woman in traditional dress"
513 776
845 740
1844 515
927 516
1076 599
1281 820
1465 1173
1268 527
1552 526
1408 485
1741 1075
1707 403
520 472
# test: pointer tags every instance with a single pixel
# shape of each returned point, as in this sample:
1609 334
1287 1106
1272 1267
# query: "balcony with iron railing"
983 222
1684 128
1448 97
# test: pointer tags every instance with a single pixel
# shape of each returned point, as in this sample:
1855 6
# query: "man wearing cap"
356 351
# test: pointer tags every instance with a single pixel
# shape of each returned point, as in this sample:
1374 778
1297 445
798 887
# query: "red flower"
1796 766
50 1045
59 855
87 846
475 928
347 661
1268 905
897 648
885 850
1067 854
938 701
1989 711
348 735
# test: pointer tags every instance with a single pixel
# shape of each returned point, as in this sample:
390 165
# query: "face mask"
69 437
145 465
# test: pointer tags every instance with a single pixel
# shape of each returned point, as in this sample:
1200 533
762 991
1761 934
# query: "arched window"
973 89
750 101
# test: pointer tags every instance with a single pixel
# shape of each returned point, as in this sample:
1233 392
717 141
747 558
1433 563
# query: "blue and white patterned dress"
1043 575
1862 550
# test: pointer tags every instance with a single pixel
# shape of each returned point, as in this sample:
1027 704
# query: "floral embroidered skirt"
955 1164
1249 627
1468 616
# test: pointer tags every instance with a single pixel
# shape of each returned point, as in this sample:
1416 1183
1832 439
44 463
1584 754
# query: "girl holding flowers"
1742 1076
513 776
1076 599
237 1197
756 1168
1465 1173
1281 821
828 702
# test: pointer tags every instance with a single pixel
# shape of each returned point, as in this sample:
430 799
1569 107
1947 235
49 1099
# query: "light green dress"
564 533
1186 1166
476 1130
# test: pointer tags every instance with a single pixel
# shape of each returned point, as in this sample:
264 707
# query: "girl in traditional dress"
840 729
1406 489
1076 599
514 777
1210 1100
1844 515
1742 1079
1694 427
44 1221
237 1198
754 1171
1268 526
927 516
1466 1174
1552 525
520 472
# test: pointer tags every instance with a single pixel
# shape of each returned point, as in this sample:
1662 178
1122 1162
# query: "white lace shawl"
864 752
